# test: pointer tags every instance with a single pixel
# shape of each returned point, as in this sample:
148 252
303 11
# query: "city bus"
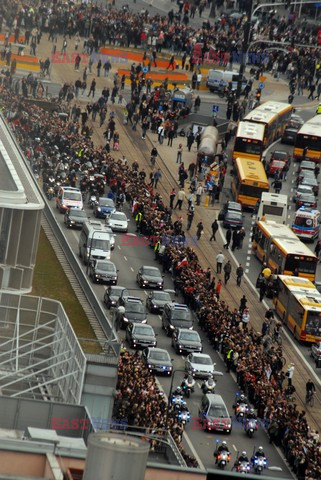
298 304
309 136
249 182
282 251
273 117
273 206
249 141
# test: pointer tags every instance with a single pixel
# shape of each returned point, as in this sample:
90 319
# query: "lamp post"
170 393
90 249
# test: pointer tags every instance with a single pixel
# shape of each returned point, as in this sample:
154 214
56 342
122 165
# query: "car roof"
155 349
177 306
142 325
133 299
149 266
277 162
203 355
280 151
117 211
215 398
186 330
234 205
108 262
117 287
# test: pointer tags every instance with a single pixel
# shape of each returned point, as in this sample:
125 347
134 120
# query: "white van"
215 76
69 197
94 242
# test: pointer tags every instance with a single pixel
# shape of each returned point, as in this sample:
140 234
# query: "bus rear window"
310 141
272 210
251 191
245 145
313 324
307 265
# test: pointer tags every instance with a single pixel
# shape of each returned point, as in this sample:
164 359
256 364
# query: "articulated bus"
298 304
249 182
282 251
273 117
309 136
273 206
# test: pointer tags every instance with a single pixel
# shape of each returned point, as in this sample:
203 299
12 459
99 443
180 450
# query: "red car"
274 166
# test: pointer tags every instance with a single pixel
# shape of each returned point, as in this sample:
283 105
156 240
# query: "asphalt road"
245 256
128 259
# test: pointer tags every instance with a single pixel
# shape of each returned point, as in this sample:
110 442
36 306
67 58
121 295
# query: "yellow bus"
309 136
268 122
249 182
298 304
282 251
249 141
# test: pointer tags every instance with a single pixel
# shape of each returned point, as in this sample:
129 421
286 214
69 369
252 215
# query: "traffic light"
258 94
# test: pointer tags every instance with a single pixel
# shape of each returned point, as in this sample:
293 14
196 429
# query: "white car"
118 222
199 365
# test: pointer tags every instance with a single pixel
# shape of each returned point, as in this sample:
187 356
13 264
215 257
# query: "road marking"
183 358
248 257
159 317
119 247
131 234
249 251
289 216
292 189
145 292
125 258
247 264
199 385
132 269
234 447
247 270
292 181
290 206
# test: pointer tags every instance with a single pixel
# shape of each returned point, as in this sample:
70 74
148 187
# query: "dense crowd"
45 139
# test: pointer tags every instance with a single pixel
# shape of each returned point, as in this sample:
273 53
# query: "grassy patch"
50 281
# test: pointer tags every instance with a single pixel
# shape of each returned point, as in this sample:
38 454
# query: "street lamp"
90 249
181 370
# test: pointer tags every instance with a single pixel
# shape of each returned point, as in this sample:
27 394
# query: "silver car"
200 365
316 353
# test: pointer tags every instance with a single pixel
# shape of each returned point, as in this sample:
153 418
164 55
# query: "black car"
150 277
289 135
140 336
112 295
157 360
135 311
75 218
176 315
233 219
306 200
156 300
103 271
186 341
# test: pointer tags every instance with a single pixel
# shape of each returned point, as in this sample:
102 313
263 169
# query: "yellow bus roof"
266 112
253 131
252 170
310 129
273 229
293 246
310 301
296 282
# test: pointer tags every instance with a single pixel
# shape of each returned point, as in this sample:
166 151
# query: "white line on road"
292 181
132 269
119 247
234 447
159 317
290 206
292 189
199 385
125 258
145 292
289 216
247 270
249 251
247 264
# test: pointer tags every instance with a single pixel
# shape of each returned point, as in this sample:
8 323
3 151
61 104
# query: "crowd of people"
45 138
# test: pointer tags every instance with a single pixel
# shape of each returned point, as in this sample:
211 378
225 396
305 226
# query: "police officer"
259 452
243 458
318 110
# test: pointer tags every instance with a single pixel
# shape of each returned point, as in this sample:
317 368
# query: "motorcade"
214 414
94 242
104 206
156 300
68 197
75 218
140 335
103 271
117 221
150 277
176 315
112 295
135 311
200 365
157 360
186 341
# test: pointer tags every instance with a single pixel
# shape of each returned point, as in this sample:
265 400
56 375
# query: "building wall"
18 463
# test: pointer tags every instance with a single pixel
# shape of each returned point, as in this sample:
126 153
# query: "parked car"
176 315
302 190
186 341
157 300
104 207
75 218
103 271
118 222
231 215
150 277
316 353
306 165
157 360
112 295
200 365
305 200
140 335
135 311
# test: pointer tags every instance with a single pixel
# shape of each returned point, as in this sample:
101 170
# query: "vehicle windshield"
99 244
118 216
202 360
135 308
73 196
107 267
252 191
277 163
217 411
279 156
116 292
78 213
307 173
164 296
192 336
106 202
151 272
303 222
161 356
313 323
144 331
307 198
181 315
245 145
236 215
